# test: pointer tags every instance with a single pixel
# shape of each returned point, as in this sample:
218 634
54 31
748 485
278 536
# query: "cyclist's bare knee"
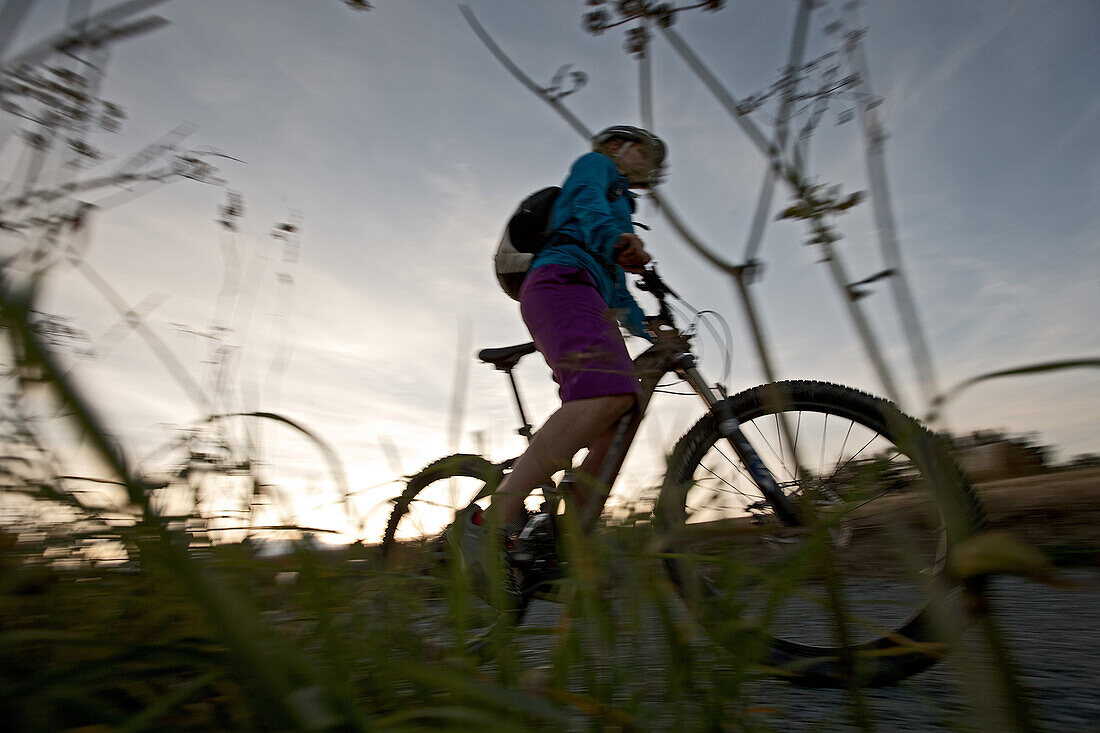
617 405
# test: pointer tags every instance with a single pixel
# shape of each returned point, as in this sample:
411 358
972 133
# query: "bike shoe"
483 557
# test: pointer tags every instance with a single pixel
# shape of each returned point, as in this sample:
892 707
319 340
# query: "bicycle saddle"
506 357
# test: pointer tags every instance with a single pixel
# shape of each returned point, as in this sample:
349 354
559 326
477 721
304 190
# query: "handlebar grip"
652 283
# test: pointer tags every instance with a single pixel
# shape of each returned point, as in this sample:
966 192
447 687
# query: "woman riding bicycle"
572 300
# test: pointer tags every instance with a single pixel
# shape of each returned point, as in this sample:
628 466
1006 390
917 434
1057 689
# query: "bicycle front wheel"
847 590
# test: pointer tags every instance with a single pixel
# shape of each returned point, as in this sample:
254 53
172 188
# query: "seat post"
526 431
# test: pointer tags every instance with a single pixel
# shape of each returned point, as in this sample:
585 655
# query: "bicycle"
834 554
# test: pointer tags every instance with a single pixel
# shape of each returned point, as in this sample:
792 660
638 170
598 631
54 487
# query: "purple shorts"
576 333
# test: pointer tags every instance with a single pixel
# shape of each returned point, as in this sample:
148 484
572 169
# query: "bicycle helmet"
655 145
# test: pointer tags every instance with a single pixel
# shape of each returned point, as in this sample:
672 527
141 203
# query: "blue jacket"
595 207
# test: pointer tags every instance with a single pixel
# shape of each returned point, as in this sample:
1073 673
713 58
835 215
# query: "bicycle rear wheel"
433 495
855 589
413 546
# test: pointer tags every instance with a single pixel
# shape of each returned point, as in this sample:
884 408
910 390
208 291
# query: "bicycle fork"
730 429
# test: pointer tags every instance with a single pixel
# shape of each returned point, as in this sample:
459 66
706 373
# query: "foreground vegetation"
324 640
186 637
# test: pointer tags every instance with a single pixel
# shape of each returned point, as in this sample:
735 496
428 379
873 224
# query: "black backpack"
524 237
527 233
528 229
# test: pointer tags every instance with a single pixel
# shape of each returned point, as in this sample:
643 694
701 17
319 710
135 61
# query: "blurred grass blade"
473 691
998 552
153 713
1052 366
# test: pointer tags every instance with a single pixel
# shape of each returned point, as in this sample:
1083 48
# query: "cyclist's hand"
630 253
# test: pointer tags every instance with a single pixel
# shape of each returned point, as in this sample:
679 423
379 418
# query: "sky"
400 146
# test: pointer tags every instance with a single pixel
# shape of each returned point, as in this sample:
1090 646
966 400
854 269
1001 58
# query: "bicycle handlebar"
652 283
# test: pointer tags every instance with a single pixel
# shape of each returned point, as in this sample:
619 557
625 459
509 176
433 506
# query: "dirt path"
1056 512
1048 632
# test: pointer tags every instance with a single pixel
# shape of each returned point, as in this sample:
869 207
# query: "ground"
1058 512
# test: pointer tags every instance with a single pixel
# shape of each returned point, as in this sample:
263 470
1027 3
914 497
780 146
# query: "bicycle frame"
671 353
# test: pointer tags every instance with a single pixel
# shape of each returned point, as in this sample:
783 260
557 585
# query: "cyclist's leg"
577 424
587 486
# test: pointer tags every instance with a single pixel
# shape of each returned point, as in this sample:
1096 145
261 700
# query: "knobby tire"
750 580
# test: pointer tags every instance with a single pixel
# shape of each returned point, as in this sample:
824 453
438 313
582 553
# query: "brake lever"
651 282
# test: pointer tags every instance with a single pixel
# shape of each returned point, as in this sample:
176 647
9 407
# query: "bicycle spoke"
768 443
779 439
435 504
734 488
794 449
848 460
